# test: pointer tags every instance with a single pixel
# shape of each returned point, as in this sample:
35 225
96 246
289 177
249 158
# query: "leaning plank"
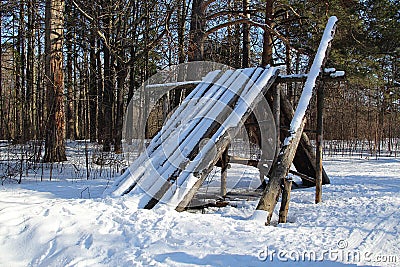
281 167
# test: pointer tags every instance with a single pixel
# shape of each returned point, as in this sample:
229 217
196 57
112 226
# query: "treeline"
69 67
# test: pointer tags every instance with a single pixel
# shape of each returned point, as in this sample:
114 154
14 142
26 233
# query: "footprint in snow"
46 213
86 241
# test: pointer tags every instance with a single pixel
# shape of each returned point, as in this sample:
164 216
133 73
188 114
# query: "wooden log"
287 188
224 171
326 76
302 176
319 143
279 171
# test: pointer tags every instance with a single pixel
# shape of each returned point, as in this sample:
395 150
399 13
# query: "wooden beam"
287 188
224 171
305 158
326 77
302 176
319 143
279 171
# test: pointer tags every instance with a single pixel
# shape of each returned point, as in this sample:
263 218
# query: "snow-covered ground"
65 222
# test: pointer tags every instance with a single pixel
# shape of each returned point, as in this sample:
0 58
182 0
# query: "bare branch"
250 22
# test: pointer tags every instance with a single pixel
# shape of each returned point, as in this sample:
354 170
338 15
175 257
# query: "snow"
59 224
338 74
175 84
313 75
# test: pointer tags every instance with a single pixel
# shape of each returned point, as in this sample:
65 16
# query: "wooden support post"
277 116
224 171
279 172
287 188
319 143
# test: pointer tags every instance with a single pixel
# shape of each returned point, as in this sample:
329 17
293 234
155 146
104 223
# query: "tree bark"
93 87
108 96
196 34
268 40
55 137
246 37
70 111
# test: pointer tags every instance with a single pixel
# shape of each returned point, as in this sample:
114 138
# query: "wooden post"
224 171
319 143
277 116
279 172
287 188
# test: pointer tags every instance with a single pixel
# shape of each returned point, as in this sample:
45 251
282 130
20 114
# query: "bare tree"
55 135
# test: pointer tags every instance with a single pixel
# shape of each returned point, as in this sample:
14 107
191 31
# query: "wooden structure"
175 164
197 136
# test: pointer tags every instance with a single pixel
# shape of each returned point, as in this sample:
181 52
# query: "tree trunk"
55 137
2 133
93 87
268 41
196 34
70 111
246 37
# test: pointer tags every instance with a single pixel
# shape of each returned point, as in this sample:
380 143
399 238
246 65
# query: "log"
287 188
224 171
279 171
302 176
320 129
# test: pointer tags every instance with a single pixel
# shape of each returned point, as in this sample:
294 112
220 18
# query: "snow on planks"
182 154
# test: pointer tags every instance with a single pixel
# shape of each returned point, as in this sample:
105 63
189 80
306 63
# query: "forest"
70 67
